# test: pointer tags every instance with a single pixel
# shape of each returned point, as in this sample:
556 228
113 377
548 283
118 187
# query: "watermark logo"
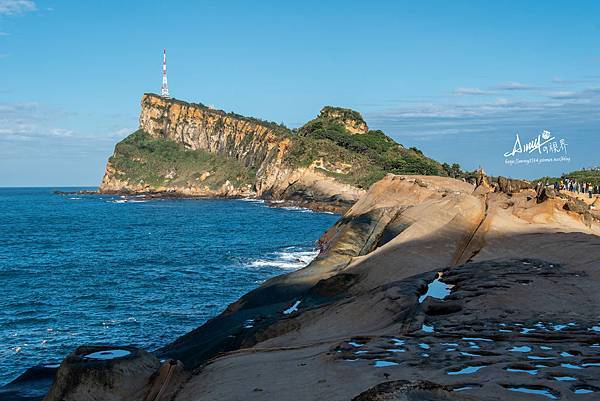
543 148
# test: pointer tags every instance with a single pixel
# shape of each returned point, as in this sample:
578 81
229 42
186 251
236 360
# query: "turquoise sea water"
100 269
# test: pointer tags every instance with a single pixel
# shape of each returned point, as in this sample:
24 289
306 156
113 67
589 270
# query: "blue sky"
457 79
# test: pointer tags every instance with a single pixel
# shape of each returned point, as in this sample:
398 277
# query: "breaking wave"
292 258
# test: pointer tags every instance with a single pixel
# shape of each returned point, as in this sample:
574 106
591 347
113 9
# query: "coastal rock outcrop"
424 278
102 373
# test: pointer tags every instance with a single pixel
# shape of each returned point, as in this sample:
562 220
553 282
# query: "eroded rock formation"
519 271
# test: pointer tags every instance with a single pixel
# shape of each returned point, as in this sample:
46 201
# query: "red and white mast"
164 89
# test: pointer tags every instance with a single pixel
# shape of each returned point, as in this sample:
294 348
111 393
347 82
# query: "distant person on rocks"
590 190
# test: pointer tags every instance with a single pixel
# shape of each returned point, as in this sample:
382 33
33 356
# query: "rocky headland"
190 150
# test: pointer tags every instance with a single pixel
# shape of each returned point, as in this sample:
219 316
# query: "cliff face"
250 144
196 127
193 150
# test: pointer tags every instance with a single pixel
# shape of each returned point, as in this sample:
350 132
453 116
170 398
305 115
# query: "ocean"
83 269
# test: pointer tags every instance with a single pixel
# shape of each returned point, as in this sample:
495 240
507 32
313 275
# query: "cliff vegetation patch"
141 159
371 154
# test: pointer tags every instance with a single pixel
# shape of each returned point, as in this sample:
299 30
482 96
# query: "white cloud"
576 110
514 86
16 7
470 91
561 94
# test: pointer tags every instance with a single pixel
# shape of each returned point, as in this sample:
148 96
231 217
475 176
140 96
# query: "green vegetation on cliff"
371 155
141 159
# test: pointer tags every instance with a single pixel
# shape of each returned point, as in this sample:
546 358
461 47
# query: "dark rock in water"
98 373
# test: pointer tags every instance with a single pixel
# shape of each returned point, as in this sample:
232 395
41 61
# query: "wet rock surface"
507 328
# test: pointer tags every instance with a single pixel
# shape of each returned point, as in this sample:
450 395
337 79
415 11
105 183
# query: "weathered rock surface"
354 319
511 186
101 373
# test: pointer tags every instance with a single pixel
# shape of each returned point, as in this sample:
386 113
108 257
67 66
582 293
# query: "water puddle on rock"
570 366
292 309
546 392
590 364
467 370
383 364
476 339
466 387
539 357
437 289
523 348
564 378
108 354
531 372
580 390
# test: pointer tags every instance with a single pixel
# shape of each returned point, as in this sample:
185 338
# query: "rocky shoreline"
363 321
333 205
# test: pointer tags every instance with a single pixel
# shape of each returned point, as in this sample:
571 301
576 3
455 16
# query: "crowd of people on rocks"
577 187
